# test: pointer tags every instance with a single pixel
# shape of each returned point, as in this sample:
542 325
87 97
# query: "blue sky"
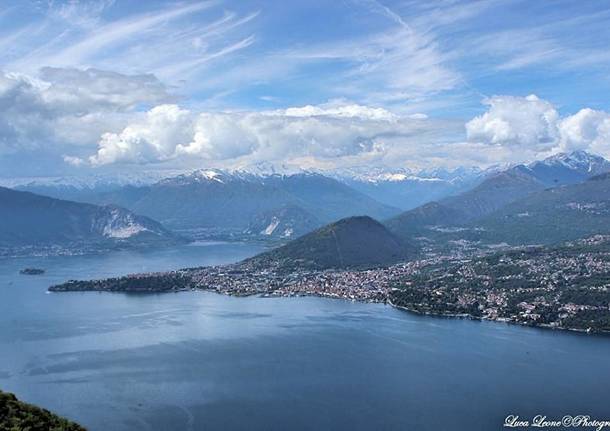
117 76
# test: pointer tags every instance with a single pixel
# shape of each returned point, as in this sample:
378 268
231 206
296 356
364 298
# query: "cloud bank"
512 129
93 118
327 132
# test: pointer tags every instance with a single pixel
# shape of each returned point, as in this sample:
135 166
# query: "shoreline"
386 300
501 320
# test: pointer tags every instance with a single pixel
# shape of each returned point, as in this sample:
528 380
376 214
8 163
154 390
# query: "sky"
127 86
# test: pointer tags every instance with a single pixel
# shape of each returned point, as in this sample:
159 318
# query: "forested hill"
354 242
16 415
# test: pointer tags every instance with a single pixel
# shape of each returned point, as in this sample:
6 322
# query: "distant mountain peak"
569 168
209 175
576 160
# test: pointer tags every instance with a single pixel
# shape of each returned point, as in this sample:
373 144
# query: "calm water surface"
201 361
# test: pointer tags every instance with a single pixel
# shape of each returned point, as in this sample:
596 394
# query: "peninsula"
564 287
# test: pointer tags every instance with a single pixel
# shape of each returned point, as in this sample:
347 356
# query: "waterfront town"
565 287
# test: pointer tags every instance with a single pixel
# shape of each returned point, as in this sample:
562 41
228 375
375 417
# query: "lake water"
202 361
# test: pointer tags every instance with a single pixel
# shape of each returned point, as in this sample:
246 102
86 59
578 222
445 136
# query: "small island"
32 271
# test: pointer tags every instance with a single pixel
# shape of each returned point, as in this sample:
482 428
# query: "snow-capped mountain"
568 168
202 176
370 174
81 188
500 189
89 181
405 189
217 200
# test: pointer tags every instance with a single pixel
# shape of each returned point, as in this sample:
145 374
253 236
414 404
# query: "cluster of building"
566 287
371 285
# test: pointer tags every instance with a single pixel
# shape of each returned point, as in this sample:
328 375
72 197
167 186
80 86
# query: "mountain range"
498 190
212 201
558 198
553 215
406 190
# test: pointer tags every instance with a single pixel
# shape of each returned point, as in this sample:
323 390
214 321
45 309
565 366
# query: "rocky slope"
34 221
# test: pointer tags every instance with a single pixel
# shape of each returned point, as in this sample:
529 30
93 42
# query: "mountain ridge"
31 220
213 199
498 190
553 215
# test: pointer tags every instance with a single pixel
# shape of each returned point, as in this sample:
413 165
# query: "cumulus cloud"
150 140
516 122
95 118
342 111
69 106
22 111
331 131
534 126
586 130
98 118
343 134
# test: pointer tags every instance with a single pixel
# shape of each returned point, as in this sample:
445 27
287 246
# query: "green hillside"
492 194
553 215
19 416
355 242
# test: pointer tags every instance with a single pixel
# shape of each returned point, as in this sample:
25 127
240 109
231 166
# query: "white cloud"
79 90
395 65
95 118
151 140
533 126
586 130
334 131
340 134
511 121
69 106
74 161
339 110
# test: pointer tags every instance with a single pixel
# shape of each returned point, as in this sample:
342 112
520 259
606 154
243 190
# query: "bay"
202 361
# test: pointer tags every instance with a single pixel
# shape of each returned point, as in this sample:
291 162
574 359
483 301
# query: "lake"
202 361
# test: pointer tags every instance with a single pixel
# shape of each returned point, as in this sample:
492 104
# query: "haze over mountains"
561 198
406 190
514 205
